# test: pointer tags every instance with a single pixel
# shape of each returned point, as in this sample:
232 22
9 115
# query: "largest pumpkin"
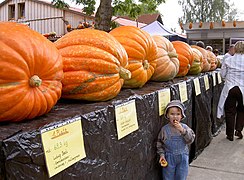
142 54
30 73
94 64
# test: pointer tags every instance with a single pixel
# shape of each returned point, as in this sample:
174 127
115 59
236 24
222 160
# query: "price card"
214 78
197 86
206 82
63 145
183 91
219 78
163 100
126 118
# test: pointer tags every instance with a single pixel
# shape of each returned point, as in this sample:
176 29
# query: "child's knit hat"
175 103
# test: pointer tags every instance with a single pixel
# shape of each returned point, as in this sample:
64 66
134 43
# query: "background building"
42 16
217 34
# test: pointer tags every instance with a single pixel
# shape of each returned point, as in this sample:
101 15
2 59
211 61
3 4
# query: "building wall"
42 17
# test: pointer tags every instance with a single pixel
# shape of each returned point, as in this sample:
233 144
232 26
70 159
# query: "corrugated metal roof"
127 22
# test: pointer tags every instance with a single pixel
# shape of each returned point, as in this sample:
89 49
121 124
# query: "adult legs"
231 110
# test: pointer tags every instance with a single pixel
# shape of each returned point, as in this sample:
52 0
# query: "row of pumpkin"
86 64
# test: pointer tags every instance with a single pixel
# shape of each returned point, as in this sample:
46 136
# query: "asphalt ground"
220 160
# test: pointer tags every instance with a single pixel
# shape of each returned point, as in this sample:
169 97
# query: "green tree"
207 10
108 8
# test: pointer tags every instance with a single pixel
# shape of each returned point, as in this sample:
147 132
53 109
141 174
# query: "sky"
171 11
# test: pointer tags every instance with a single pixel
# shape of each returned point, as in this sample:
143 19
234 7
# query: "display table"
131 157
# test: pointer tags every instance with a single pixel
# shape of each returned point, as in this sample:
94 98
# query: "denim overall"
177 156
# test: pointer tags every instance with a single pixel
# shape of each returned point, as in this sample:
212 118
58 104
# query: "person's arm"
188 134
160 143
223 71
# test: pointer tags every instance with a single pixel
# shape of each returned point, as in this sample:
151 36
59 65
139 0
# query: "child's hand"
178 126
163 162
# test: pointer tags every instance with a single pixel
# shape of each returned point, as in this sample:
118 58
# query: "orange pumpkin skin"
30 73
94 64
205 59
167 62
213 60
185 56
142 54
196 66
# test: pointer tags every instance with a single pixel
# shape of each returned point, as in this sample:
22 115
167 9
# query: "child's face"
174 114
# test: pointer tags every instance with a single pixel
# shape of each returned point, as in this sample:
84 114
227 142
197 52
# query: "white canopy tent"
156 28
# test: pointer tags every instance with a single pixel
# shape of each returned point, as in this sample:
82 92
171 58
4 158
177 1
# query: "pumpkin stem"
35 81
124 73
145 64
172 55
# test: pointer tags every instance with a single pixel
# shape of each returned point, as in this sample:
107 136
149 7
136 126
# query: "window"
21 10
11 11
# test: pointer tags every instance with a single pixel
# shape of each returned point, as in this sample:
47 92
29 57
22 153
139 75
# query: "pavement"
220 160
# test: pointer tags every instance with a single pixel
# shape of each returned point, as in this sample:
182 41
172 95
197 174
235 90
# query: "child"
173 141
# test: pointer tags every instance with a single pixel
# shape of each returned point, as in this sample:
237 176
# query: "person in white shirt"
232 95
230 52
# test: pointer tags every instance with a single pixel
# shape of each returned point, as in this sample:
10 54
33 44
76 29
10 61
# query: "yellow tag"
214 78
183 91
126 118
219 78
163 100
197 86
63 145
206 82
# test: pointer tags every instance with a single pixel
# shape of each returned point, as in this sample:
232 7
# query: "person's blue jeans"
177 168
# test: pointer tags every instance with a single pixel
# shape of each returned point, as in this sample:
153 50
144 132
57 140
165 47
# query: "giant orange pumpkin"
30 73
142 54
185 56
94 64
205 60
167 60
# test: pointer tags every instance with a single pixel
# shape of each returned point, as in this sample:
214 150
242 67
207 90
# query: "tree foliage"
108 8
207 10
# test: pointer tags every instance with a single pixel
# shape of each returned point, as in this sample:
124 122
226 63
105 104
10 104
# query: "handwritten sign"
126 118
219 78
214 78
197 86
63 145
163 100
206 82
183 91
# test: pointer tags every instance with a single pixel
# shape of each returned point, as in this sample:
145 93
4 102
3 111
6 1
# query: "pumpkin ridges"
85 51
13 91
129 33
14 73
185 56
16 113
108 93
38 106
167 65
127 43
85 64
196 67
94 38
137 81
205 60
95 85
12 57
